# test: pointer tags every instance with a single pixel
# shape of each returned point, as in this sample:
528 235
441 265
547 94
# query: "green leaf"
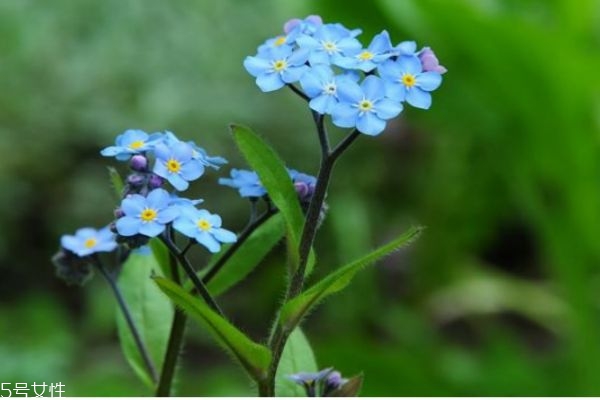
297 357
116 182
253 357
294 310
276 180
162 255
150 309
248 256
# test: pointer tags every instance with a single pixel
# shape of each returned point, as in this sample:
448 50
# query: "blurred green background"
500 296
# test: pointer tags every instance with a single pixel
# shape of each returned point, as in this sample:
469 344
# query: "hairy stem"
127 314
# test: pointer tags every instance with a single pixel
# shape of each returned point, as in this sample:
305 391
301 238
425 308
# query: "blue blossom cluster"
359 87
147 208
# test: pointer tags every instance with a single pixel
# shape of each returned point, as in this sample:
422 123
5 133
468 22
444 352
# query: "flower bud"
138 163
155 181
135 180
118 213
430 62
334 381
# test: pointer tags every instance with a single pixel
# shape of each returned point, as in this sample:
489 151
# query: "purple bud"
118 213
302 189
430 61
155 181
135 179
138 163
294 22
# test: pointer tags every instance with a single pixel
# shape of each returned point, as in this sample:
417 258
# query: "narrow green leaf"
294 310
248 256
275 178
151 311
253 357
297 357
116 182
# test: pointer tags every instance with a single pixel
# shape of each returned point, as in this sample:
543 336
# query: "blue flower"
183 202
407 81
406 48
130 142
204 227
198 152
247 183
320 84
328 43
365 107
146 215
277 67
366 60
88 241
176 164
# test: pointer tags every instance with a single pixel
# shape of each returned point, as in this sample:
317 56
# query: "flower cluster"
323 383
359 87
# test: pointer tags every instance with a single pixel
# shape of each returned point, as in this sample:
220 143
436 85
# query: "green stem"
280 335
127 314
175 341
185 263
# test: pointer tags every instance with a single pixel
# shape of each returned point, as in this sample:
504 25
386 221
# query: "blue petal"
133 135
410 64
151 229
381 43
407 48
429 81
323 104
186 227
387 109
208 241
105 246
111 151
418 98
344 115
192 170
252 191
133 205
256 66
395 91
160 169
370 124
158 199
162 151
214 219
224 236
269 82
128 226
293 74
349 45
299 57
390 71
178 182
311 84
373 88
349 92
307 42
168 214
182 152
70 243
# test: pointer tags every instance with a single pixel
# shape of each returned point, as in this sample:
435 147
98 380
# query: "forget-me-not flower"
365 107
407 81
329 42
88 241
366 60
176 163
320 84
204 227
246 182
130 142
277 67
146 215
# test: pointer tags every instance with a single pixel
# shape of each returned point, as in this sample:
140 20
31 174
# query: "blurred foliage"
498 297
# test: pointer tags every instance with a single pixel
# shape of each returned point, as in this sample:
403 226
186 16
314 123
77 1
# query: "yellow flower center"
329 46
279 65
173 166
279 41
136 145
409 80
365 105
91 242
204 225
148 215
365 55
